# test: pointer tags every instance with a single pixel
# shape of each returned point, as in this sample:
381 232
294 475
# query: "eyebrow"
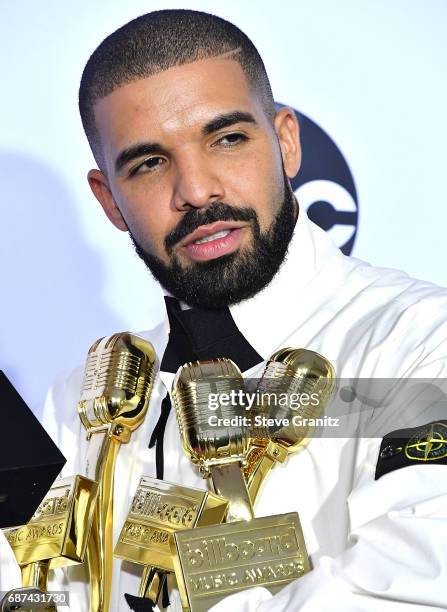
149 148
135 151
226 120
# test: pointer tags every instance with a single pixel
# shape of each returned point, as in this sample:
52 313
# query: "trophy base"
59 530
220 560
160 508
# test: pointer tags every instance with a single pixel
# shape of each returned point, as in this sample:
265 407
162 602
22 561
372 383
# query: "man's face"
196 172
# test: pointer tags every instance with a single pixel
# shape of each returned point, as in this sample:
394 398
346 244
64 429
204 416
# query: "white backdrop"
371 73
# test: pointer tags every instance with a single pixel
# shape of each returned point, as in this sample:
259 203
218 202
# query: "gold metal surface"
115 396
152 582
261 459
204 444
118 380
57 533
294 372
228 481
217 561
219 451
35 575
158 509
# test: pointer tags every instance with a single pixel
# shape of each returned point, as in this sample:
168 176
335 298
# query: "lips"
205 231
214 240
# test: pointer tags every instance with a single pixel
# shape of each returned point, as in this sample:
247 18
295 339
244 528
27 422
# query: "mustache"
219 211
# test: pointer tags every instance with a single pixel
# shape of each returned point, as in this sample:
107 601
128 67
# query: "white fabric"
375 545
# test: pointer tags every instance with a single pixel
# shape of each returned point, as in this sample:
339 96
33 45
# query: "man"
195 164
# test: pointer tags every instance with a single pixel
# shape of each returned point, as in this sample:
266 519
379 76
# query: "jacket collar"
306 279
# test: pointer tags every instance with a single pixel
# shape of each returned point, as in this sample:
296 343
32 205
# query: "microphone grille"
307 380
117 369
118 378
193 385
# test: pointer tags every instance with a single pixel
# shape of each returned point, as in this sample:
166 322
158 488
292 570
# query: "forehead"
174 101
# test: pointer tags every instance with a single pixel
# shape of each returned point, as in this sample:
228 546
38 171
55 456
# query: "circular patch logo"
324 185
428 443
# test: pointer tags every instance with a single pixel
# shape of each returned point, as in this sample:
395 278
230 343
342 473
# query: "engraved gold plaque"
158 510
59 529
216 561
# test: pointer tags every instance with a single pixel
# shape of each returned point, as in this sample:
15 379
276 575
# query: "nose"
197 184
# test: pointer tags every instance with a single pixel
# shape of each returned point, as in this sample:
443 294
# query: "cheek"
149 222
152 230
267 189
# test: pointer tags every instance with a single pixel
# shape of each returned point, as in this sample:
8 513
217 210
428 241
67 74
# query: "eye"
231 140
148 165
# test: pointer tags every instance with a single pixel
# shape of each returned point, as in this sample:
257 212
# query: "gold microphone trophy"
118 381
309 377
216 561
219 451
76 515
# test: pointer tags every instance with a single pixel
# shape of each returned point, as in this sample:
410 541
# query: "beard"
231 278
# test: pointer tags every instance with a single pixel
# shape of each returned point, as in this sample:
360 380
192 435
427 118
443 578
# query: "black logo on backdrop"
324 185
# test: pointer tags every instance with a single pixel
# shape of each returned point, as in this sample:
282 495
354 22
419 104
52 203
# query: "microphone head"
118 380
198 392
307 379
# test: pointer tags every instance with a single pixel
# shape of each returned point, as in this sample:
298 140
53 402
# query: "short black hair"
157 41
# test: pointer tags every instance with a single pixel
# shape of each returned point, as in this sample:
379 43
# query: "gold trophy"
56 535
219 451
76 516
304 374
215 561
118 381
158 509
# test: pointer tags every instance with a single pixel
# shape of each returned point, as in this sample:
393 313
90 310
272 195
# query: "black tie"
198 333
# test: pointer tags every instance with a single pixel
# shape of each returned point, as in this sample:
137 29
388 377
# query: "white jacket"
374 544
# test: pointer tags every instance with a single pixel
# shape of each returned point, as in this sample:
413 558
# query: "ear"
288 132
100 186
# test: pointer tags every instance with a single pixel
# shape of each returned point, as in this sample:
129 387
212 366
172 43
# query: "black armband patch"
424 444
